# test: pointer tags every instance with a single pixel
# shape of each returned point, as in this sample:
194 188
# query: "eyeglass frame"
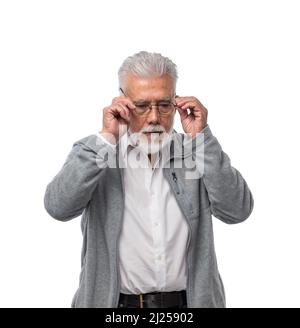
147 112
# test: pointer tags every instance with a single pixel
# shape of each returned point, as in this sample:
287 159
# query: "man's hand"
195 121
116 118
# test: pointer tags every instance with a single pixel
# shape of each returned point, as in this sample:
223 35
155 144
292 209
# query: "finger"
183 113
127 102
123 100
118 110
182 100
194 105
125 109
188 104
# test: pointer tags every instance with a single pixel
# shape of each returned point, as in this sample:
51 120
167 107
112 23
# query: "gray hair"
147 64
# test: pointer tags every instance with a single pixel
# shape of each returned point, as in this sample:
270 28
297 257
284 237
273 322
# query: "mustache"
152 129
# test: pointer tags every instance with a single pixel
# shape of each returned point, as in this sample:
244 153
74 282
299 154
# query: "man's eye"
142 106
167 104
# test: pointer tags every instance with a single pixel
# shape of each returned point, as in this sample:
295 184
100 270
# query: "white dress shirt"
153 240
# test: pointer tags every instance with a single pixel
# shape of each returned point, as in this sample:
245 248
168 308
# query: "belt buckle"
141 301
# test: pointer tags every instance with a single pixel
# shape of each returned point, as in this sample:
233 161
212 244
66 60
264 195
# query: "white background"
58 69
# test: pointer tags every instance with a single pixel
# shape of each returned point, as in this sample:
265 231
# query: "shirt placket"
157 229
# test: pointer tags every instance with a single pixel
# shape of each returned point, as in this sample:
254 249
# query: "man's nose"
153 116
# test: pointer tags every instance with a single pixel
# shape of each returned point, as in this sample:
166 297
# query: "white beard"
156 143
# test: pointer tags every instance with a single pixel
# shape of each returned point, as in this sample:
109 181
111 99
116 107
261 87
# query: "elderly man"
146 214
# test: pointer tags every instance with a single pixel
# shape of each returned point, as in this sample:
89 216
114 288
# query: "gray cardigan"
87 185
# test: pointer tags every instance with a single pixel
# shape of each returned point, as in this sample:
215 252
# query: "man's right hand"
116 118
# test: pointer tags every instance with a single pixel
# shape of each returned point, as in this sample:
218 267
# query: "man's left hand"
195 121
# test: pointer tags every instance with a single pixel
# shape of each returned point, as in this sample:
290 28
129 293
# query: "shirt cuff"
106 141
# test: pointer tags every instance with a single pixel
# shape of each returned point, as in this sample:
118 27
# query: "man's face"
153 90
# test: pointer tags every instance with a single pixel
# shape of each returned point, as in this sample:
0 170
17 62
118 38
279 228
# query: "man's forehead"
150 98
151 94
147 84
149 91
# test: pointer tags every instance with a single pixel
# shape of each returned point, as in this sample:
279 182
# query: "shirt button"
156 224
159 257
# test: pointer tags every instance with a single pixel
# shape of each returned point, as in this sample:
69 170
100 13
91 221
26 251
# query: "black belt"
154 300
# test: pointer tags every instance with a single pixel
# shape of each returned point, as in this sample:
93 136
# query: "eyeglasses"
143 108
